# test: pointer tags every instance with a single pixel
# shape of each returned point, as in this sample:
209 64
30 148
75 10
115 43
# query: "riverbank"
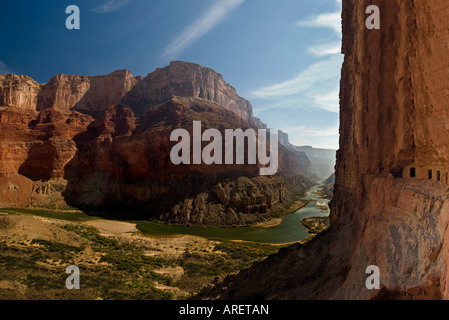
116 260
279 230
297 205
316 225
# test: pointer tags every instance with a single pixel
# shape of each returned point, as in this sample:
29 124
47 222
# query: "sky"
283 56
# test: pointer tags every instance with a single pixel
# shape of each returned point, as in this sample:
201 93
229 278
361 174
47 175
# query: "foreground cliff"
102 143
390 206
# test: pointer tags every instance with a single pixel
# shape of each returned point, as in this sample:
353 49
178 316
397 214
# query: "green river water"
290 230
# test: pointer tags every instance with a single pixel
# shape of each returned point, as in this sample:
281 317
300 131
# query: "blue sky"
283 56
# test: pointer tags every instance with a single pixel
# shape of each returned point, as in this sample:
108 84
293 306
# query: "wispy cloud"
110 6
328 20
324 49
318 137
4 69
306 106
327 101
315 74
200 27
315 132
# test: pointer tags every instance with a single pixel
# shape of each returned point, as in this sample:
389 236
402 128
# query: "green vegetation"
121 272
328 192
246 251
115 267
226 258
56 247
61 215
132 262
91 234
316 225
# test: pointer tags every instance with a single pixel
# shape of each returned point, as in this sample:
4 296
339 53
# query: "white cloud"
294 129
325 49
327 101
315 132
321 133
306 106
317 137
4 69
111 6
315 74
328 20
316 86
200 27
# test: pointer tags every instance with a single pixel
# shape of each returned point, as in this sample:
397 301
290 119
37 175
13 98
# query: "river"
290 230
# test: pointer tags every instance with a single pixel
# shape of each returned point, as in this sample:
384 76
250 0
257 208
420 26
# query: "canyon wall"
19 91
86 94
394 117
303 161
187 80
93 94
102 143
390 207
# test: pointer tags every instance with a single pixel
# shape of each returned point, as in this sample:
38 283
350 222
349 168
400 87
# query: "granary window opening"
435 174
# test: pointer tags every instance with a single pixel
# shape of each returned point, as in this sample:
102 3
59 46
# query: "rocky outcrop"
85 94
188 80
323 160
386 211
18 91
302 161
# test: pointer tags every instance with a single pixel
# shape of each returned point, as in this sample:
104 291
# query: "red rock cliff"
93 94
393 122
390 206
18 91
88 148
188 80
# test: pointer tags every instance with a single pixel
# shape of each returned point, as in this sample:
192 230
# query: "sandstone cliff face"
302 160
86 94
393 116
75 141
188 80
93 94
390 206
121 167
18 91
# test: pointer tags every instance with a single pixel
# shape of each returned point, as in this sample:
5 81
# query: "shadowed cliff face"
394 117
390 206
102 143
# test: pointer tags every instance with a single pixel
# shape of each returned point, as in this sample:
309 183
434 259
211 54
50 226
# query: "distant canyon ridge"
102 143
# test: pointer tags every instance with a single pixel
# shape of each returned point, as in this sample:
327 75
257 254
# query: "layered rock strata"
390 206
102 143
